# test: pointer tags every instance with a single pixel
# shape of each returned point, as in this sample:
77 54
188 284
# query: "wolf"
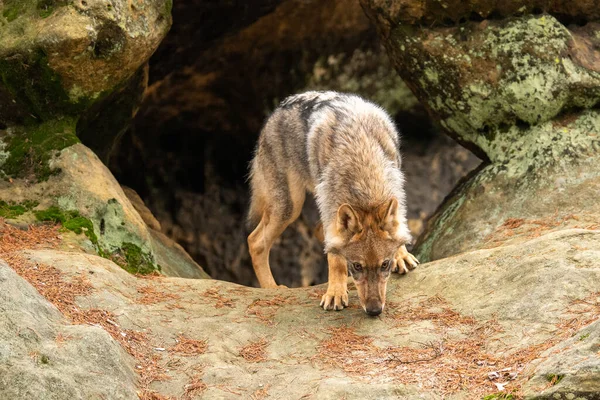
345 151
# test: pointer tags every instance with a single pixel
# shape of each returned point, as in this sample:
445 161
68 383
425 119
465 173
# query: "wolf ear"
347 220
388 214
391 211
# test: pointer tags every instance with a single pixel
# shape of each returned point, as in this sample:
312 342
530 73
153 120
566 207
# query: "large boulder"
59 57
490 321
571 367
82 194
43 356
519 90
74 71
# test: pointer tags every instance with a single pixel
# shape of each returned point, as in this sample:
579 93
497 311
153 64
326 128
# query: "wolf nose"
374 311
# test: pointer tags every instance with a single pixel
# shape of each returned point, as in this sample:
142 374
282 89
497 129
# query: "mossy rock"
30 148
34 86
133 260
129 256
60 57
479 79
11 209
70 220
546 178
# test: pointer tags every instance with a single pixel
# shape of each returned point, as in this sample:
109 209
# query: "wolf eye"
357 267
386 265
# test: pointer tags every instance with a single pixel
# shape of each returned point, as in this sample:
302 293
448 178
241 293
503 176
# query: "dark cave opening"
187 151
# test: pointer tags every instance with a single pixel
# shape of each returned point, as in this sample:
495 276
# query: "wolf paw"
336 297
404 261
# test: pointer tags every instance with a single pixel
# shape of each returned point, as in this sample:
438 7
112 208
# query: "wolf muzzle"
373 308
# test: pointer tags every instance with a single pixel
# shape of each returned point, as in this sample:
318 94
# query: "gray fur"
340 147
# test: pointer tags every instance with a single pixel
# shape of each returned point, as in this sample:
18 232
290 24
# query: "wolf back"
339 147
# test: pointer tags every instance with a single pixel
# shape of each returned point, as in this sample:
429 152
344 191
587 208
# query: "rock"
140 207
72 70
86 187
478 312
480 79
173 259
570 369
35 364
548 183
448 12
58 58
519 90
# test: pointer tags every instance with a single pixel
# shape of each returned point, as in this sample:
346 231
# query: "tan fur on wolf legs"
268 230
259 244
404 261
336 297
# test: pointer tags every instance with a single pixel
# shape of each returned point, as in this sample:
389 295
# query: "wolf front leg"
404 261
336 297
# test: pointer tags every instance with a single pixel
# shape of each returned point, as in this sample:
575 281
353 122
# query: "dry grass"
265 310
457 362
532 228
189 347
195 388
261 393
580 313
152 296
255 351
220 301
49 283
60 339
152 276
316 294
152 395
241 290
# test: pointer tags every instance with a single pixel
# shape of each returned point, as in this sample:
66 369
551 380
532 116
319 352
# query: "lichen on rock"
480 78
521 90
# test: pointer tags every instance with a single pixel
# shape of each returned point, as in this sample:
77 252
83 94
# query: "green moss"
70 220
30 148
130 257
168 7
12 210
44 359
81 224
35 86
554 378
133 260
16 8
499 396
45 8
13 9
584 336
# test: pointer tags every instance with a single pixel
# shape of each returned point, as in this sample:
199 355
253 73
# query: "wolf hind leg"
280 210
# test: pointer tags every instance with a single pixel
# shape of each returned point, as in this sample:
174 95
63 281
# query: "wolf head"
369 240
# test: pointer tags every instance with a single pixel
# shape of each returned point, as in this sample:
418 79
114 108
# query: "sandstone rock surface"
86 186
451 328
43 356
